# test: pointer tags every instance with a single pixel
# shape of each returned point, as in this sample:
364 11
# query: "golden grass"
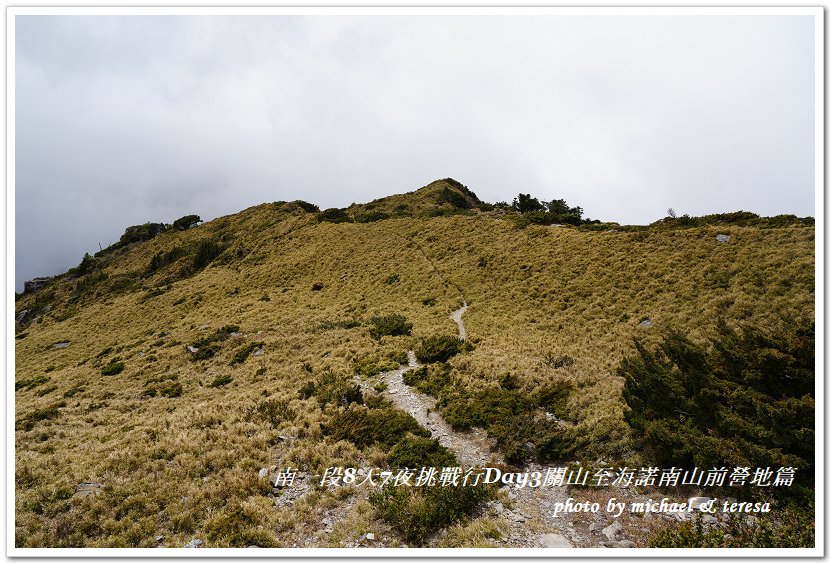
186 466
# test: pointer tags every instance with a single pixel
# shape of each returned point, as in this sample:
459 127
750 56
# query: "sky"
121 120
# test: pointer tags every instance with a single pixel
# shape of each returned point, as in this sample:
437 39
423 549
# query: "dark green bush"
219 335
139 233
454 198
389 325
162 259
371 366
171 390
417 513
417 451
398 357
113 368
242 354
747 400
553 397
783 528
432 380
221 380
31 383
330 388
437 348
371 217
334 215
186 222
205 352
393 278
364 427
556 361
306 206
27 422
206 252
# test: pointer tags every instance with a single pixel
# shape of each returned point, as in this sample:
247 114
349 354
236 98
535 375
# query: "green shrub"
363 426
242 354
113 368
171 390
417 451
393 278
306 206
221 380
205 352
186 222
334 215
273 411
417 513
139 233
206 252
790 527
389 325
553 397
371 366
50 412
398 357
437 348
432 380
330 388
747 400
371 217
31 383
453 198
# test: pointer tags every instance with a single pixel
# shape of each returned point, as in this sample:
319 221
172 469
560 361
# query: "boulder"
35 284
723 238
554 541
611 531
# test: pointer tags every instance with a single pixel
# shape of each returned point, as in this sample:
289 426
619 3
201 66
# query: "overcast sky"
124 120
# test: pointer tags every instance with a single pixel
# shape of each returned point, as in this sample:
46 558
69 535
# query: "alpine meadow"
164 385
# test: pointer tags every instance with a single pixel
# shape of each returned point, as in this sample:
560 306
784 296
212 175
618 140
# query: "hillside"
286 309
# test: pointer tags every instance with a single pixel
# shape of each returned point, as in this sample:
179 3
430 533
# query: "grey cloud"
122 120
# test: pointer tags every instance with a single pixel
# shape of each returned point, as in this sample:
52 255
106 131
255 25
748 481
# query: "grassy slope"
187 465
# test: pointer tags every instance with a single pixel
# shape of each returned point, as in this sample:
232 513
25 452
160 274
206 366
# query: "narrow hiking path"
527 512
472 448
456 316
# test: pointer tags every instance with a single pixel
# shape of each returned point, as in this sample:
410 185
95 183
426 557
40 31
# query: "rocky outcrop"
35 284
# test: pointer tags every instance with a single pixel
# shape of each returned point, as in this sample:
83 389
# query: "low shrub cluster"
334 215
439 348
242 354
747 400
112 368
417 513
273 411
786 527
389 325
206 252
371 366
366 426
521 422
414 451
28 421
332 389
165 386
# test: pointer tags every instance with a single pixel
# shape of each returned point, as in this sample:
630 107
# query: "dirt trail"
528 512
456 316
471 448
